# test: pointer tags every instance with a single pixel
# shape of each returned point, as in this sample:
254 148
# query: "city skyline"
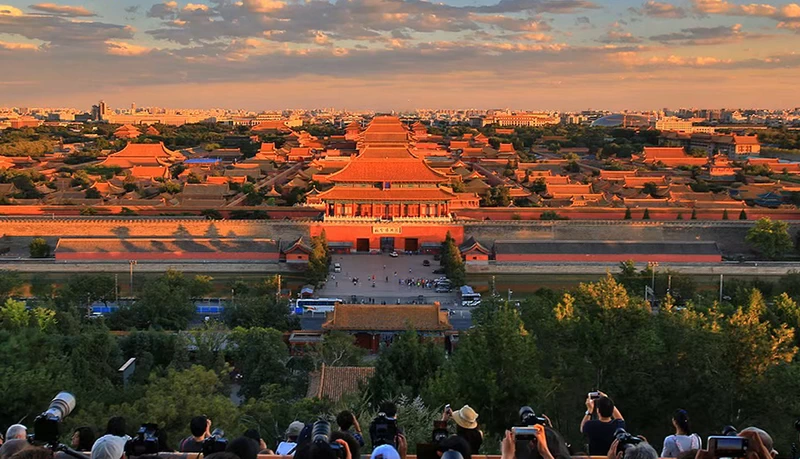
401 54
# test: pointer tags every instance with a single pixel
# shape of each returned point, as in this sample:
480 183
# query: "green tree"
628 215
163 302
742 215
264 310
646 214
694 214
452 262
404 367
318 260
770 237
10 283
261 356
14 315
725 214
494 369
338 349
650 188
39 248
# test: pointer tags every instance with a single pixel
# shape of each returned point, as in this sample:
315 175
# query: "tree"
646 214
338 349
211 214
10 283
628 215
318 259
494 369
742 215
261 356
404 367
39 248
14 315
260 309
694 214
164 302
725 214
770 237
650 188
452 262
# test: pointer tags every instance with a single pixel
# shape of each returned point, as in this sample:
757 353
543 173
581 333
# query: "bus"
303 305
469 297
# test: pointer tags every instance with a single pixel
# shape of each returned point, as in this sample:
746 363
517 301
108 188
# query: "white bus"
469 297
303 305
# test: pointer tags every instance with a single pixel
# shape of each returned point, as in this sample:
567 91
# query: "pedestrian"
337 283
384 266
409 270
395 274
387 279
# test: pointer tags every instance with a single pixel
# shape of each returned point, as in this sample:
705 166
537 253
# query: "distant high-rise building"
102 110
133 107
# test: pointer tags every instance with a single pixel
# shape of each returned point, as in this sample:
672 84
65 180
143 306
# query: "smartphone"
524 433
594 395
720 446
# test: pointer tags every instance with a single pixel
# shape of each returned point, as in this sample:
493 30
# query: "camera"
728 446
439 431
528 417
625 440
145 441
730 431
383 430
321 435
46 426
216 443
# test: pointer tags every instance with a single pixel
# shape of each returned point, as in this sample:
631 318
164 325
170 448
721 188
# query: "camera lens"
62 405
321 431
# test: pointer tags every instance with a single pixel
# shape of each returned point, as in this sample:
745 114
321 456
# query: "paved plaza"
390 284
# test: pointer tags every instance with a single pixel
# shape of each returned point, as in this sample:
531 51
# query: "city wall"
729 235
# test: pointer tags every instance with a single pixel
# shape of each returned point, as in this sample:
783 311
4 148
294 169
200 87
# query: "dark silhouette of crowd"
457 435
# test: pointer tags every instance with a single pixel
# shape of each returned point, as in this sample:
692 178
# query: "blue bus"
303 305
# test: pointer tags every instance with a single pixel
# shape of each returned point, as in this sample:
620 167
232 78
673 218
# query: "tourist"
13 446
200 427
117 426
508 447
346 421
109 446
641 450
466 420
262 445
289 445
683 439
17 432
83 438
600 432
243 447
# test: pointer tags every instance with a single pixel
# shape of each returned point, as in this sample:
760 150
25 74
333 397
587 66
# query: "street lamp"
132 263
653 265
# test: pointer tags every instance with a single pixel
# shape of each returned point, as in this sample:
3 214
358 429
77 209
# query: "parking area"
381 278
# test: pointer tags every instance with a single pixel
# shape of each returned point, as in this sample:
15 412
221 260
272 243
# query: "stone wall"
729 236
151 227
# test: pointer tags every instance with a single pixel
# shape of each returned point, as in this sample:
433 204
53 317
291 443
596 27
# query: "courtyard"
381 278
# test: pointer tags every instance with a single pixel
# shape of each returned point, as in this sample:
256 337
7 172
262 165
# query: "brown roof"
376 194
154 150
333 383
356 317
410 170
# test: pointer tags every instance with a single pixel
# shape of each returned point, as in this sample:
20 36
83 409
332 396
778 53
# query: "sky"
401 54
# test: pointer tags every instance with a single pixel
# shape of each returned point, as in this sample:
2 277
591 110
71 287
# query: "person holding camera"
384 430
289 446
508 447
683 439
466 420
200 426
600 432
347 420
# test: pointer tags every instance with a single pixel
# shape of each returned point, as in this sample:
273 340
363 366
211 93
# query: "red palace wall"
165 256
352 232
662 258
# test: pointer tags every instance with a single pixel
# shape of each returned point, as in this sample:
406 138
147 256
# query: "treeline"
733 362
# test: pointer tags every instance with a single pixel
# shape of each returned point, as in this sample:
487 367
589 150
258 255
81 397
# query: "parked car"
394 254
438 271
426 262
437 257
337 268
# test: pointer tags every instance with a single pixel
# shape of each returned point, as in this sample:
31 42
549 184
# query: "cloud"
263 6
788 16
4 45
705 36
62 10
60 31
119 48
617 34
538 6
166 10
8 10
659 10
